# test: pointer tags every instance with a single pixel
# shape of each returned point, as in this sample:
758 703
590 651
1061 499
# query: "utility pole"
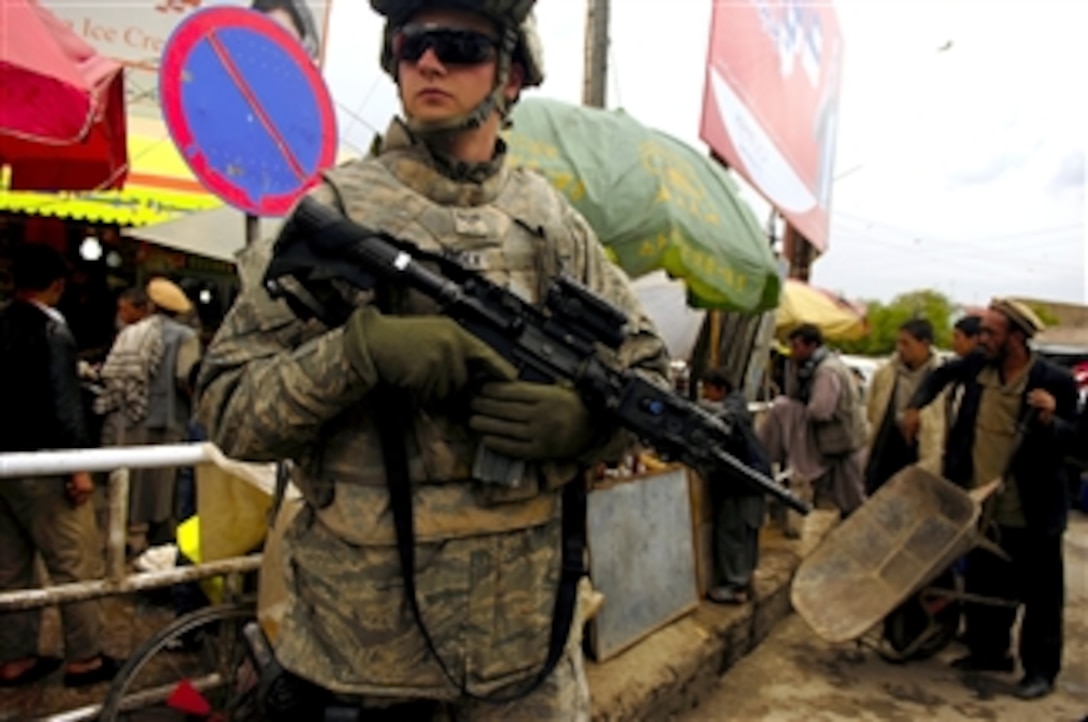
596 69
799 253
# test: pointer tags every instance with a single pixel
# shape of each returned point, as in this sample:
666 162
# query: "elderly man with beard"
1016 422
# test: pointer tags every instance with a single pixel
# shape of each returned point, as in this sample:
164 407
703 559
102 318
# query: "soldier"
487 558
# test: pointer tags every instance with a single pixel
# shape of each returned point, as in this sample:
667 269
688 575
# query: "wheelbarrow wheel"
923 625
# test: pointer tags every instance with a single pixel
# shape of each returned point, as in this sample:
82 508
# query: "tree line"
884 320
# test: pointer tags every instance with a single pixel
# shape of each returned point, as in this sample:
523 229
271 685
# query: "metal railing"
117 460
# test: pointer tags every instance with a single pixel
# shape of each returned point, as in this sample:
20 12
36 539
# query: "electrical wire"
839 215
956 262
899 255
984 248
924 246
613 63
356 115
927 252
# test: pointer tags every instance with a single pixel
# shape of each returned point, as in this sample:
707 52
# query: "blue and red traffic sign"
247 109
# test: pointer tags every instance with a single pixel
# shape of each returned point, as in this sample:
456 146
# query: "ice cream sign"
135 32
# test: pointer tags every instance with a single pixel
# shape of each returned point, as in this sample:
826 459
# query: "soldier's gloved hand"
531 421
430 355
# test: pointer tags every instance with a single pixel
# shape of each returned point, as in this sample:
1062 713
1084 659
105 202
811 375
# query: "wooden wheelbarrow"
889 564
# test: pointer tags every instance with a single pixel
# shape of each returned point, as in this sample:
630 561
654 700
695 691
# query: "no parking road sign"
247 109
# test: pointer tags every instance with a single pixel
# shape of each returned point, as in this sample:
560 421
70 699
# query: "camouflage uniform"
487 563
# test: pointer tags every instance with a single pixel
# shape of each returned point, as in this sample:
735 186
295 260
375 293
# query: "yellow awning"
801 303
159 186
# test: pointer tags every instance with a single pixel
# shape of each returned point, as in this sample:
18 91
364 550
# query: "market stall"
62 119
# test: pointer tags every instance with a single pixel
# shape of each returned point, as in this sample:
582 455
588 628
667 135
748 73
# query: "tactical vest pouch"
488 495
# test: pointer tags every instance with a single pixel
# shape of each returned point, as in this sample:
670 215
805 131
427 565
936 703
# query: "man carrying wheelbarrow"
1016 422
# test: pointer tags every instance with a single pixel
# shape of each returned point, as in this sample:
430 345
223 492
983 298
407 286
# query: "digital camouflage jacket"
274 387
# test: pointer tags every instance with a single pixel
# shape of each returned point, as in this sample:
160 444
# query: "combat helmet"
518 41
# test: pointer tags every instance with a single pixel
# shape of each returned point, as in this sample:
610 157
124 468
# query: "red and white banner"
770 107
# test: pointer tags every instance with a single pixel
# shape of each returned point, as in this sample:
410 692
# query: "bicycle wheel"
199 662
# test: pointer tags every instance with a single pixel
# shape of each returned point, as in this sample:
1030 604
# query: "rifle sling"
400 500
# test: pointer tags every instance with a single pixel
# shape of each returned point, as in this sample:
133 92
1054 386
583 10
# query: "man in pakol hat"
1016 422
146 401
168 296
400 397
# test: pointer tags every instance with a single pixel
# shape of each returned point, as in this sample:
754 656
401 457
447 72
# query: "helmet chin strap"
495 100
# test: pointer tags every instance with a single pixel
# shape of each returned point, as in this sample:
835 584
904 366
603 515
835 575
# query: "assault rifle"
556 343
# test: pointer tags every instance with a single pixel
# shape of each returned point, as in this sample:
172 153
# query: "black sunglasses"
452 47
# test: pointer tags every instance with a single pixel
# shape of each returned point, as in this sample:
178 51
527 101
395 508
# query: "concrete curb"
672 669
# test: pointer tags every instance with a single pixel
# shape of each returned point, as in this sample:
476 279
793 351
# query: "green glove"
430 355
531 421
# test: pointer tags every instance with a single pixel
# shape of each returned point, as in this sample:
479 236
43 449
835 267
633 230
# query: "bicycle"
159 682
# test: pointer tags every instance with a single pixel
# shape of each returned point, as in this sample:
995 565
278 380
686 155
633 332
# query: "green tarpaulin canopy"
653 201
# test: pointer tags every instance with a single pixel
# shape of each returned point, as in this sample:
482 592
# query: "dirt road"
796 677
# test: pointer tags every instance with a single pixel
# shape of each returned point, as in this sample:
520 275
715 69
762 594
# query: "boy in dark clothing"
738 507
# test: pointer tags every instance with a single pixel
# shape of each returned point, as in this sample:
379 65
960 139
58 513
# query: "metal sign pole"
253 229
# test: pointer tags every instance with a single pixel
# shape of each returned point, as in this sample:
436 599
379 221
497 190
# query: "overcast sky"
960 169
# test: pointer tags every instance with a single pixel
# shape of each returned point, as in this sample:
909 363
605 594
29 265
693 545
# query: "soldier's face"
455 71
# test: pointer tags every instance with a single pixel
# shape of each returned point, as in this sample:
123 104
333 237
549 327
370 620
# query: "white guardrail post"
118 525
